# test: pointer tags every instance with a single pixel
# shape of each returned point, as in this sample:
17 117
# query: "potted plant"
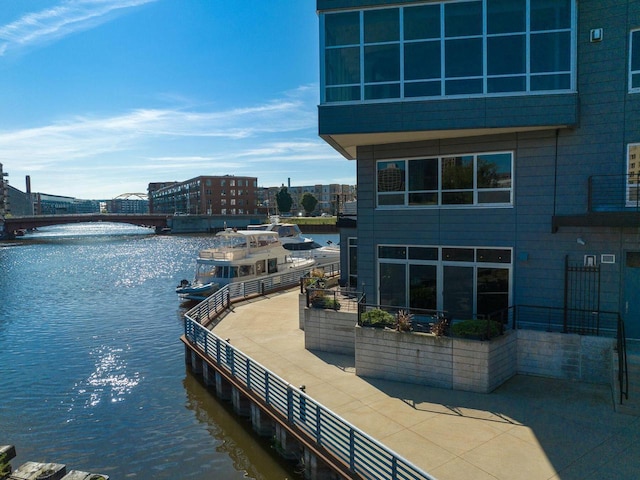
320 300
404 321
476 329
377 318
440 327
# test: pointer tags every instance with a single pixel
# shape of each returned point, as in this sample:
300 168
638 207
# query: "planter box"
445 362
329 330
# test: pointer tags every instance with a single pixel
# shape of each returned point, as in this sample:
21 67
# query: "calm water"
93 372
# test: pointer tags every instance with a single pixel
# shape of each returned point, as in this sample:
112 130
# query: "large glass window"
634 62
464 282
472 47
473 179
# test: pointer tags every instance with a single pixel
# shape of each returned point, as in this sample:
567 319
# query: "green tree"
308 202
284 200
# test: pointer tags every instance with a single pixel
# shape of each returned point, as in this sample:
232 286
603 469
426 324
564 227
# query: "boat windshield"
230 240
297 247
289 230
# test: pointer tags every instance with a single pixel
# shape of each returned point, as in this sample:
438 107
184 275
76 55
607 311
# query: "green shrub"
476 329
377 318
320 300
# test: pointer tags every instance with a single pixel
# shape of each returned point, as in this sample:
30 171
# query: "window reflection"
510 56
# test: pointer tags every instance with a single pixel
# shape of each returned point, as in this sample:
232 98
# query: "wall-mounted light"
581 241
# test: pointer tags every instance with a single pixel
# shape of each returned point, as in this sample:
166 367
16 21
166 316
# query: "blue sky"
101 97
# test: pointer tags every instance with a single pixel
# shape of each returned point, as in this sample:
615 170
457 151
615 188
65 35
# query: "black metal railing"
438 322
338 298
623 372
614 193
597 323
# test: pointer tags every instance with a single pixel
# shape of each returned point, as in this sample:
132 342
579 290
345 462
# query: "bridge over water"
15 224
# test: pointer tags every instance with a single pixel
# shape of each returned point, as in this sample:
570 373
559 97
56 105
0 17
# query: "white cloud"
88 137
57 22
84 155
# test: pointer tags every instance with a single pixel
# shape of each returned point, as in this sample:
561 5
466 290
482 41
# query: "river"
93 372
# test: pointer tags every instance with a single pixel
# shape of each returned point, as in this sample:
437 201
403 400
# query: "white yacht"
297 244
240 256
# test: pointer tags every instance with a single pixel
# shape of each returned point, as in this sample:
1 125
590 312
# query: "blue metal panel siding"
551 168
450 114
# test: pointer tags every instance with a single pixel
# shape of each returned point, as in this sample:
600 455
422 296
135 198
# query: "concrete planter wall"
442 362
456 363
568 356
329 330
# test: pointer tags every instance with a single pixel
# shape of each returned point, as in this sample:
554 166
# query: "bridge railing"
364 456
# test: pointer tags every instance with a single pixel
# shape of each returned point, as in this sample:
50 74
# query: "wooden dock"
39 470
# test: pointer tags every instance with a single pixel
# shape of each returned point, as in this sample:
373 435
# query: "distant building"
331 197
205 195
3 194
45 204
13 201
128 203
17 203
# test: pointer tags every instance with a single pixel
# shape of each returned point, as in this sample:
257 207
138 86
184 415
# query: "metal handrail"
599 323
364 455
221 298
623 370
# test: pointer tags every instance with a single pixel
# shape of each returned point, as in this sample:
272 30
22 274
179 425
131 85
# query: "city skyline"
103 97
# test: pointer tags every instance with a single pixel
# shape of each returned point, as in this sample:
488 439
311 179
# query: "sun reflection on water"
110 381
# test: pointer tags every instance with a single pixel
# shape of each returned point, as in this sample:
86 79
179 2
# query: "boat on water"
297 244
240 256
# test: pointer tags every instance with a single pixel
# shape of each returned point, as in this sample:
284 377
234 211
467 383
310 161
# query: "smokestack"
288 182
28 180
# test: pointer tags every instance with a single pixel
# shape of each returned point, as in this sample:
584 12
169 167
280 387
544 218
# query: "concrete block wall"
457 363
483 366
329 330
405 357
442 362
567 356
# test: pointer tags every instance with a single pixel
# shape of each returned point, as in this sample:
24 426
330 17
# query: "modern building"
497 147
205 195
46 204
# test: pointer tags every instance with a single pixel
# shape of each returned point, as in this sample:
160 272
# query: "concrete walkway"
529 428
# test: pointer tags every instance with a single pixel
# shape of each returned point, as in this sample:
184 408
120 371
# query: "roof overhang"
347 143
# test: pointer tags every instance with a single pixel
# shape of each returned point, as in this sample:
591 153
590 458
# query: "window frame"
458 86
405 192
632 199
633 72
441 263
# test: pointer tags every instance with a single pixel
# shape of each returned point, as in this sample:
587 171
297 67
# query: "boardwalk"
530 428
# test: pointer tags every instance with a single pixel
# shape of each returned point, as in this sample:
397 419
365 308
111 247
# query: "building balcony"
612 201
348 126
